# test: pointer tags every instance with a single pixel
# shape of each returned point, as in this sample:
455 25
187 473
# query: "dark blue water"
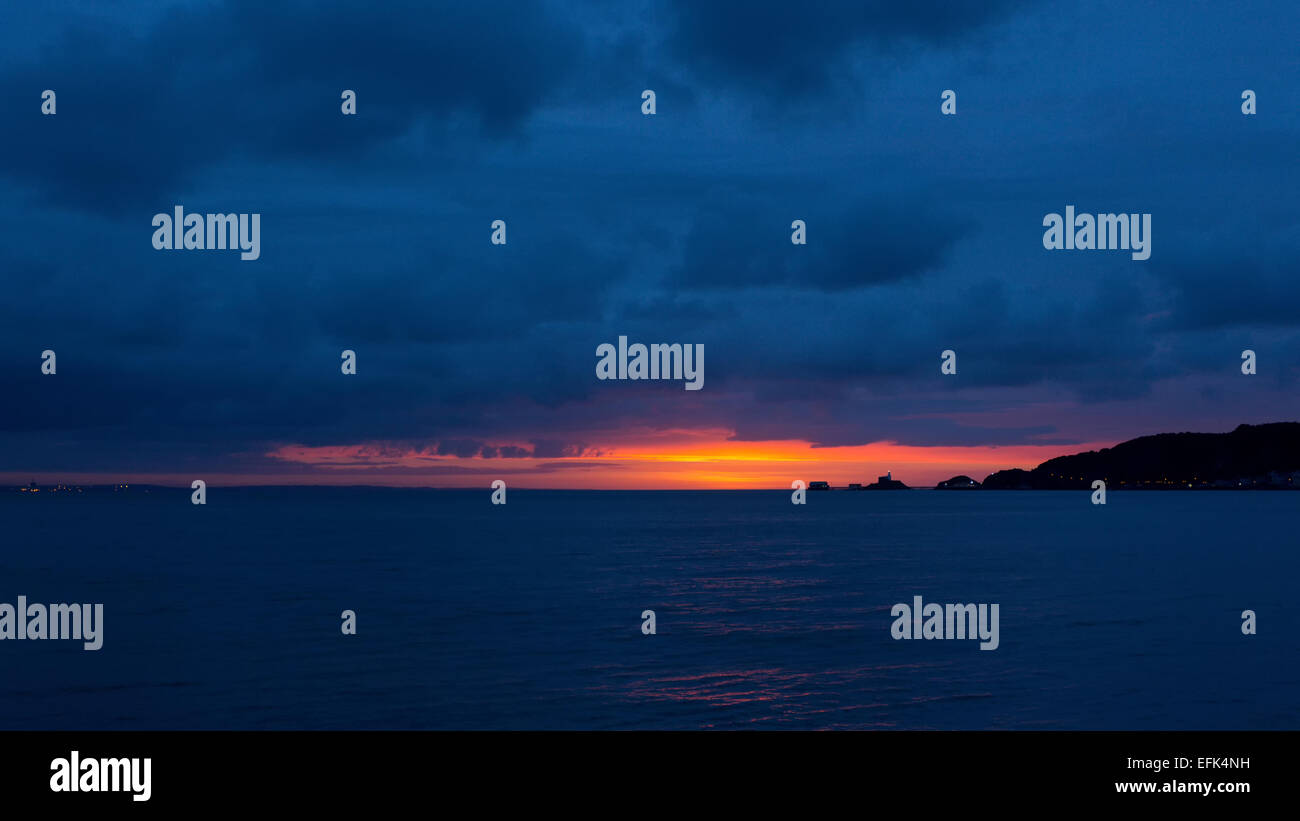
769 615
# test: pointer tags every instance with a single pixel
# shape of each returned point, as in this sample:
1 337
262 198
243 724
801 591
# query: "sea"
768 615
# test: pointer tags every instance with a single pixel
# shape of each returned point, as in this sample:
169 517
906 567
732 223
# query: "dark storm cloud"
558 278
1251 284
209 350
801 49
463 448
923 232
745 244
554 449
209 82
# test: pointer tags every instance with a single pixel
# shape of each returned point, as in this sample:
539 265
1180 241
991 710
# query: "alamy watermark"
80 622
656 361
946 621
75 774
1102 232
206 232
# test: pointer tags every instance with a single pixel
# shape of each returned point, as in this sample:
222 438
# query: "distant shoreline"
1250 457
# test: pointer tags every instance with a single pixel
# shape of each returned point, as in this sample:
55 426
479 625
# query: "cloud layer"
924 231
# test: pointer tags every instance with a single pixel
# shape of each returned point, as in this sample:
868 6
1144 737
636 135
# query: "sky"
477 362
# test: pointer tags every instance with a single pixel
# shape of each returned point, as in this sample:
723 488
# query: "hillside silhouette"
1252 456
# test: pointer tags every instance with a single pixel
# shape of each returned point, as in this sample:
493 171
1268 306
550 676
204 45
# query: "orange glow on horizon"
678 459
675 459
